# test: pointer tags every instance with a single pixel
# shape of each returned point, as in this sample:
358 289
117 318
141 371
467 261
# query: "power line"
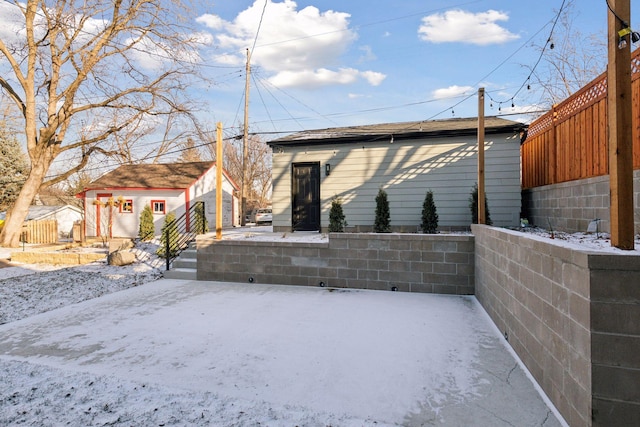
259 25
533 69
266 82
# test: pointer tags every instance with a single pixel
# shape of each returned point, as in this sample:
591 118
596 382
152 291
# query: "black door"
305 194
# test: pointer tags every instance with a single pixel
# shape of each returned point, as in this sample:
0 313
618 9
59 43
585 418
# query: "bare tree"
259 175
570 60
135 148
81 74
258 168
189 152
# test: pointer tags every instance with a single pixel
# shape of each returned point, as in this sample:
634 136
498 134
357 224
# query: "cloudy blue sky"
318 64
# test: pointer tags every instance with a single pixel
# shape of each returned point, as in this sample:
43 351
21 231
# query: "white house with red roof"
113 203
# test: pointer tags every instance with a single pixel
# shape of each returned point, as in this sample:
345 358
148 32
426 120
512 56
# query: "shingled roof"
164 175
403 130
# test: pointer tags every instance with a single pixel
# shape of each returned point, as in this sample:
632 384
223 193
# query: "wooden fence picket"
570 141
44 231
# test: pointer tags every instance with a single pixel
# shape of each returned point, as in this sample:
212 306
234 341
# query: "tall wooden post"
482 217
219 193
245 143
619 120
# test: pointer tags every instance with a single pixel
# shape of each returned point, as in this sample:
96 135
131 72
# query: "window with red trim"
158 206
126 206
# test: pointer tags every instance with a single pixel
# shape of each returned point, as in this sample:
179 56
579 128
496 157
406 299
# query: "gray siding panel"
406 170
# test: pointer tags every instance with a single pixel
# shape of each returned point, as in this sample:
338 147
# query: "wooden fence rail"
45 231
571 142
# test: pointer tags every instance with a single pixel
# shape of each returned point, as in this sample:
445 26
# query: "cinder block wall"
615 339
408 262
571 316
570 206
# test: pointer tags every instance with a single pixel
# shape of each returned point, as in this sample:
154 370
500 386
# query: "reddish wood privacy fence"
45 231
571 141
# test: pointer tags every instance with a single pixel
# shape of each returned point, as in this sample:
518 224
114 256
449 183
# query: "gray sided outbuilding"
406 160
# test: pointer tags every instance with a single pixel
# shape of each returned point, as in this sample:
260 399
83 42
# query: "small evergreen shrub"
170 230
429 214
473 206
146 230
337 221
382 222
201 225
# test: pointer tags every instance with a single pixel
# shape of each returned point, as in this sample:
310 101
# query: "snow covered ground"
162 352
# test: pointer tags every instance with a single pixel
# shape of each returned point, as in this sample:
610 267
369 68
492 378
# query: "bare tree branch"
116 64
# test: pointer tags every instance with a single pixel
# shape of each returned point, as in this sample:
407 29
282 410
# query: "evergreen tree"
429 214
170 230
383 215
147 229
473 206
337 221
13 168
201 224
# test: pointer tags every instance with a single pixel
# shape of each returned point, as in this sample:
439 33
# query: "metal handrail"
182 231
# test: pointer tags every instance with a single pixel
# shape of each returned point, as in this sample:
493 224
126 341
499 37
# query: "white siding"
406 170
204 189
126 224
65 218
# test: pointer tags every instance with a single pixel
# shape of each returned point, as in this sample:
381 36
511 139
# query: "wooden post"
219 181
245 143
553 151
481 195
619 121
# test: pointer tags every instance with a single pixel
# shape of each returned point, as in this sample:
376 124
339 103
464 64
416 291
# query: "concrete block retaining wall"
571 316
438 263
570 206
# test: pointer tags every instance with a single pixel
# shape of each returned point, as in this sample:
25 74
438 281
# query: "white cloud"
154 55
451 91
324 77
213 22
148 54
374 78
202 38
466 27
296 47
367 54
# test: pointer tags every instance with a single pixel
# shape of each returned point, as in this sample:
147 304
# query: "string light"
550 44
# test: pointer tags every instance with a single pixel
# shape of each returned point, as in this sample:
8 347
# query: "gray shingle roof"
401 130
165 175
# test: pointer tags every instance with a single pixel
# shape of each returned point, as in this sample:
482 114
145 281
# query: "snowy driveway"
387 357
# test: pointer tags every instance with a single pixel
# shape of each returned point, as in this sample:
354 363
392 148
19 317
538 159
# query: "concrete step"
181 262
189 253
181 274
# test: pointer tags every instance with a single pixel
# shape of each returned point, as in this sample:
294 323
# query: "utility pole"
482 218
619 121
245 142
219 193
